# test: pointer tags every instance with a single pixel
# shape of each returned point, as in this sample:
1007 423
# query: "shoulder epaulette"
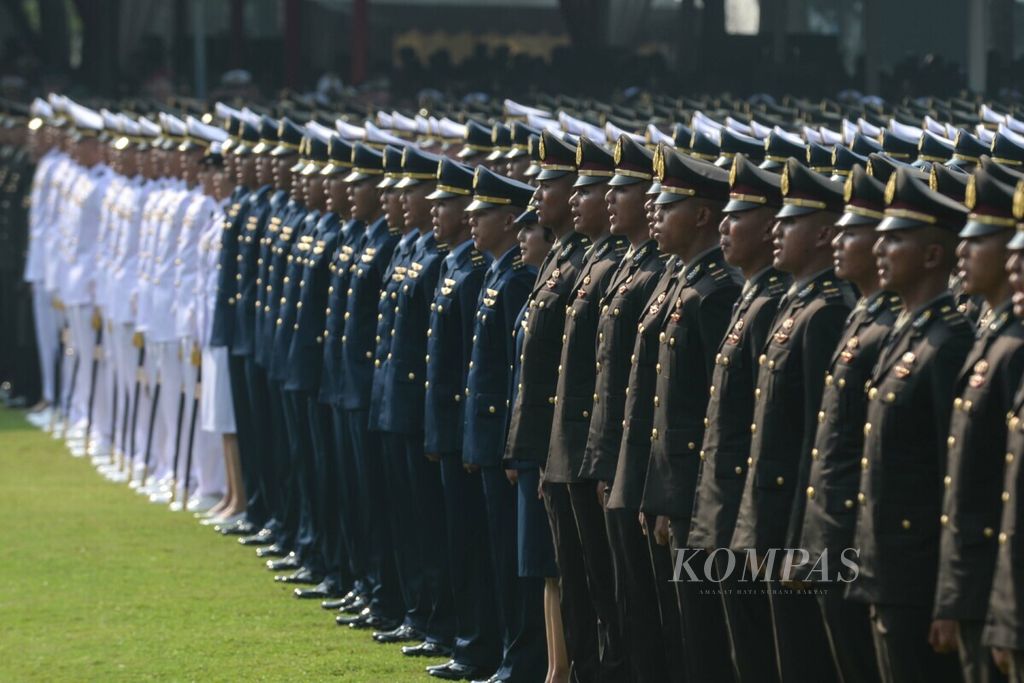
1001 321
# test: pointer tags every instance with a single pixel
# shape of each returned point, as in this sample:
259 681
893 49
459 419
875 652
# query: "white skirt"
216 411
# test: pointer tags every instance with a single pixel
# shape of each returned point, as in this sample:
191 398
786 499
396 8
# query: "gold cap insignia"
870 169
732 174
848 189
808 155
767 142
1018 201
659 163
618 151
476 177
541 150
835 156
494 134
579 152
280 129
405 155
785 180
890 189
933 179
971 192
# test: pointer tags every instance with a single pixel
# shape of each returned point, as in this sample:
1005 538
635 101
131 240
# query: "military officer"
477 647
587 613
984 392
831 493
497 201
540 333
698 307
910 392
787 400
622 306
754 198
1003 631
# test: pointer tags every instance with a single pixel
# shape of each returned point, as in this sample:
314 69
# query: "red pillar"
360 39
292 44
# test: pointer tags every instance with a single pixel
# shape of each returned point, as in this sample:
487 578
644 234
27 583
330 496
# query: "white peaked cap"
348 131
850 131
830 137
41 108
571 124
198 129
384 119
759 131
613 132
657 137
400 121
83 117
990 115
319 130
543 122
905 132
813 135
513 108
451 129
868 129
739 126
375 134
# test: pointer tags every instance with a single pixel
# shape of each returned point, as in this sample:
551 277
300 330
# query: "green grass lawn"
97 584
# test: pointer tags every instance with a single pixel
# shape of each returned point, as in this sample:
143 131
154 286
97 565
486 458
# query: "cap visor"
241 150
1017 241
496 154
297 168
356 176
890 223
282 151
477 205
408 182
978 229
551 174
655 188
441 194
736 205
311 169
585 180
261 148
788 210
854 220
531 171
387 184
770 165
514 153
618 179
669 198
466 153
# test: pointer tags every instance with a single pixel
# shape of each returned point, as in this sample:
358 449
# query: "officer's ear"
826 230
510 219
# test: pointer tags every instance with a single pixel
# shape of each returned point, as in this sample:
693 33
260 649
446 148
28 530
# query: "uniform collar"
460 252
506 259
424 240
377 228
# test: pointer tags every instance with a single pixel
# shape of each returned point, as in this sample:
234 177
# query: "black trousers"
326 515
636 595
749 622
285 480
668 608
477 637
848 627
976 661
264 441
350 551
801 644
308 542
520 599
374 502
579 620
1016 667
597 560
405 546
901 644
256 510
428 521
708 656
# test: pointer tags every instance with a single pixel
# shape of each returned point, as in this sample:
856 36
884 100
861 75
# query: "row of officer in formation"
553 401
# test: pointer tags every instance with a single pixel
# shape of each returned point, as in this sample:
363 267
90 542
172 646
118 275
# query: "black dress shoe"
402 634
453 671
356 606
301 575
495 679
241 528
346 619
272 550
325 589
290 561
262 537
338 603
427 649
